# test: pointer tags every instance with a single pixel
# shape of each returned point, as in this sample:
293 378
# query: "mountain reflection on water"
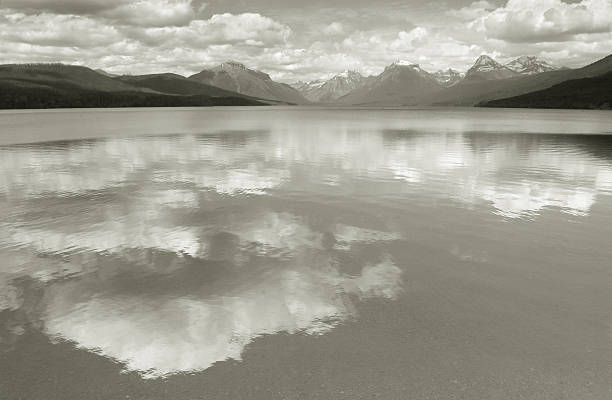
171 253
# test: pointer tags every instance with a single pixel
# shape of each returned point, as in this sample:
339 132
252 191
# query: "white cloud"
55 30
546 20
473 11
153 12
335 28
241 29
409 40
146 36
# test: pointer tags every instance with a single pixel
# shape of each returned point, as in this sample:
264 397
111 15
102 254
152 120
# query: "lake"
288 253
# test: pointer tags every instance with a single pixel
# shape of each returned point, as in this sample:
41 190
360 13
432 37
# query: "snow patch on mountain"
529 65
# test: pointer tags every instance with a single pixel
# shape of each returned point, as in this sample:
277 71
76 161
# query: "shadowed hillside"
590 93
60 75
176 84
33 86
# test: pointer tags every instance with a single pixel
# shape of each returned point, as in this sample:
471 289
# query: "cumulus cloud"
546 20
182 36
153 12
123 43
335 28
409 40
56 30
473 11
250 26
247 29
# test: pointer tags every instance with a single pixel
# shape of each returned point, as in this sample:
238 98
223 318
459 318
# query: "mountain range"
485 68
448 77
24 86
487 83
326 91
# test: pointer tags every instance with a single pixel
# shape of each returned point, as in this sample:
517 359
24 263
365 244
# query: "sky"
300 39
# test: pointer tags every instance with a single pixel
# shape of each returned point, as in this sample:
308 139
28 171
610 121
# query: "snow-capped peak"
349 74
529 65
405 63
448 77
233 64
485 63
331 89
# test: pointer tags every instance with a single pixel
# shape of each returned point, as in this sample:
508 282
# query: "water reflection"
165 332
172 253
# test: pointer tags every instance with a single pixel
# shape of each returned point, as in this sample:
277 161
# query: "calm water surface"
285 253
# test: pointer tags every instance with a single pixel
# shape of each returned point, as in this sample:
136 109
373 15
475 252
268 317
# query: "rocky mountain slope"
401 83
236 77
485 68
530 65
325 91
448 77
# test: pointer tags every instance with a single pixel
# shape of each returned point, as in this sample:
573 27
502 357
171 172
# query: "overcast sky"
300 39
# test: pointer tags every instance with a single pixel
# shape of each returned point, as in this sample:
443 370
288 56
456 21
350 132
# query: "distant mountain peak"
236 77
448 77
331 89
349 74
527 58
402 65
406 63
487 68
486 63
236 68
233 64
484 58
529 65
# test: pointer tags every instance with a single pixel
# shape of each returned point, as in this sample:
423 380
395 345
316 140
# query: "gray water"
284 253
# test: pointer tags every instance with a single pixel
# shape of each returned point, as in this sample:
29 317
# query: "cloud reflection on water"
172 253
457 165
164 334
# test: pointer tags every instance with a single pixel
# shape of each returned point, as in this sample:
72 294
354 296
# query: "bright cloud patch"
154 12
184 36
249 29
409 40
546 20
56 30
